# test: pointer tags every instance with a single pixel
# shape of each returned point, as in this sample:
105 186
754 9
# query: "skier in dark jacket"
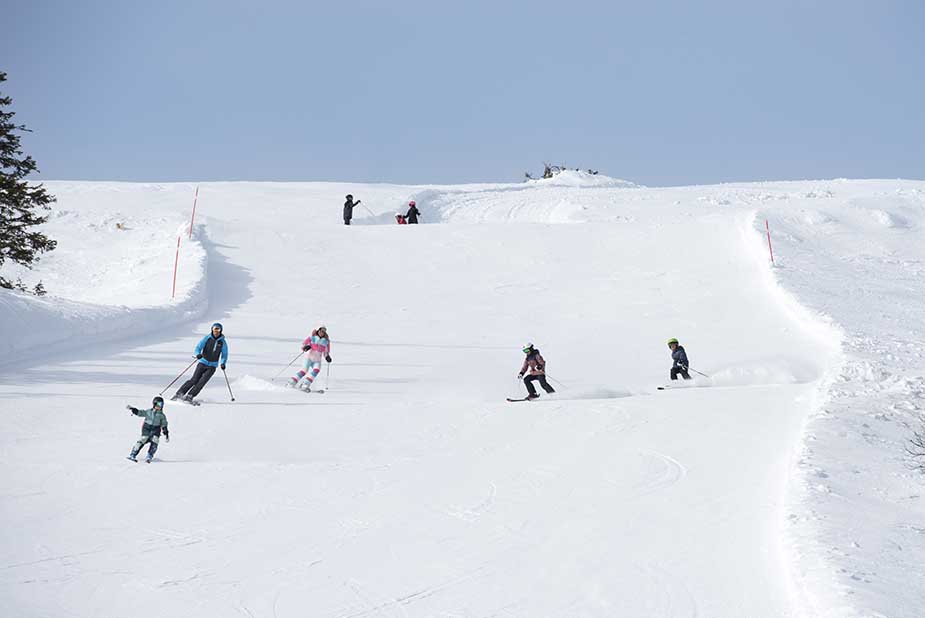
679 358
209 351
349 205
535 364
413 212
155 421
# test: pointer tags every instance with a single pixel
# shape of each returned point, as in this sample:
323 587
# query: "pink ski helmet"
411 203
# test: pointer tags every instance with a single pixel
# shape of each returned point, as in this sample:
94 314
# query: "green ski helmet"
672 340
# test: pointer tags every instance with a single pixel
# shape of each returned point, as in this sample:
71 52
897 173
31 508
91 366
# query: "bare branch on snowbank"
916 450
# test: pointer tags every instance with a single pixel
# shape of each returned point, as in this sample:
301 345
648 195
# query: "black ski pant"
200 378
679 370
346 221
542 380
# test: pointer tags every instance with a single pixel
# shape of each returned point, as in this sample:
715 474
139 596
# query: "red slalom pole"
176 261
193 217
770 250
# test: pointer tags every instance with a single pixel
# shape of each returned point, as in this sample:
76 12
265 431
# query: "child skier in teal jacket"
155 422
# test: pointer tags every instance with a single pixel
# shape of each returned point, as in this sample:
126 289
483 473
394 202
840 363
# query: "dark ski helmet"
349 197
218 325
158 402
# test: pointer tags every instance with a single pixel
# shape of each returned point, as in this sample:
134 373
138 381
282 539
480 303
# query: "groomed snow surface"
411 488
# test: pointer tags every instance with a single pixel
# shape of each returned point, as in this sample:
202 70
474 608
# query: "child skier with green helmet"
155 422
679 360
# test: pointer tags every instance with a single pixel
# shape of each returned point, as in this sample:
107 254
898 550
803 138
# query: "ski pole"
327 378
698 373
556 381
228 383
179 376
367 209
288 366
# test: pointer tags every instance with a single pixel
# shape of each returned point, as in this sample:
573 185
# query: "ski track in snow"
411 488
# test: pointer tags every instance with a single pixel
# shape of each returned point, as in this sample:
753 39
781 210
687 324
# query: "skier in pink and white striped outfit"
318 346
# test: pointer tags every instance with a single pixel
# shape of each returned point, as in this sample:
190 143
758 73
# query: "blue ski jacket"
211 349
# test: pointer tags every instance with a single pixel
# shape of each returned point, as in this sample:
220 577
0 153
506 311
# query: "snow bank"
110 276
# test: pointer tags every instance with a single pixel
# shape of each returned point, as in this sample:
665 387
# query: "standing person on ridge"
535 364
349 205
679 358
155 421
318 346
413 212
209 350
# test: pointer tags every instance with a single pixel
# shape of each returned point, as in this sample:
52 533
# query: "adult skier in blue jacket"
212 352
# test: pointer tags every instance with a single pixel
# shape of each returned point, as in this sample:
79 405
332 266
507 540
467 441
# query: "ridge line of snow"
830 333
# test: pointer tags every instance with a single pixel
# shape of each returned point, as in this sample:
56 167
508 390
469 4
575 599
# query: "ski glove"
306 348
328 358
223 366
520 376
131 409
166 434
198 356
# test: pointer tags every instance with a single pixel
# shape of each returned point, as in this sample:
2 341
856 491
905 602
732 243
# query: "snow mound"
888 219
579 179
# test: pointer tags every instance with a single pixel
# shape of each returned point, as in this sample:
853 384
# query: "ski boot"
175 397
534 396
132 458
148 459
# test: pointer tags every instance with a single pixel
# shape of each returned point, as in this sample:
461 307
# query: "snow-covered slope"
411 488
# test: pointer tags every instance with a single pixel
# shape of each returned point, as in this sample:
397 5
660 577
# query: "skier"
318 346
679 356
155 421
209 349
537 366
413 212
348 209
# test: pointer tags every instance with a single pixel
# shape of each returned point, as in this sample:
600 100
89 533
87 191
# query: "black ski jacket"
348 209
413 214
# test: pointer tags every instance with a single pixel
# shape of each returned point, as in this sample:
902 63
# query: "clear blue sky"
659 93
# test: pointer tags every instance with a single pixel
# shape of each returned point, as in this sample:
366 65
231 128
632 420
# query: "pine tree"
20 201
